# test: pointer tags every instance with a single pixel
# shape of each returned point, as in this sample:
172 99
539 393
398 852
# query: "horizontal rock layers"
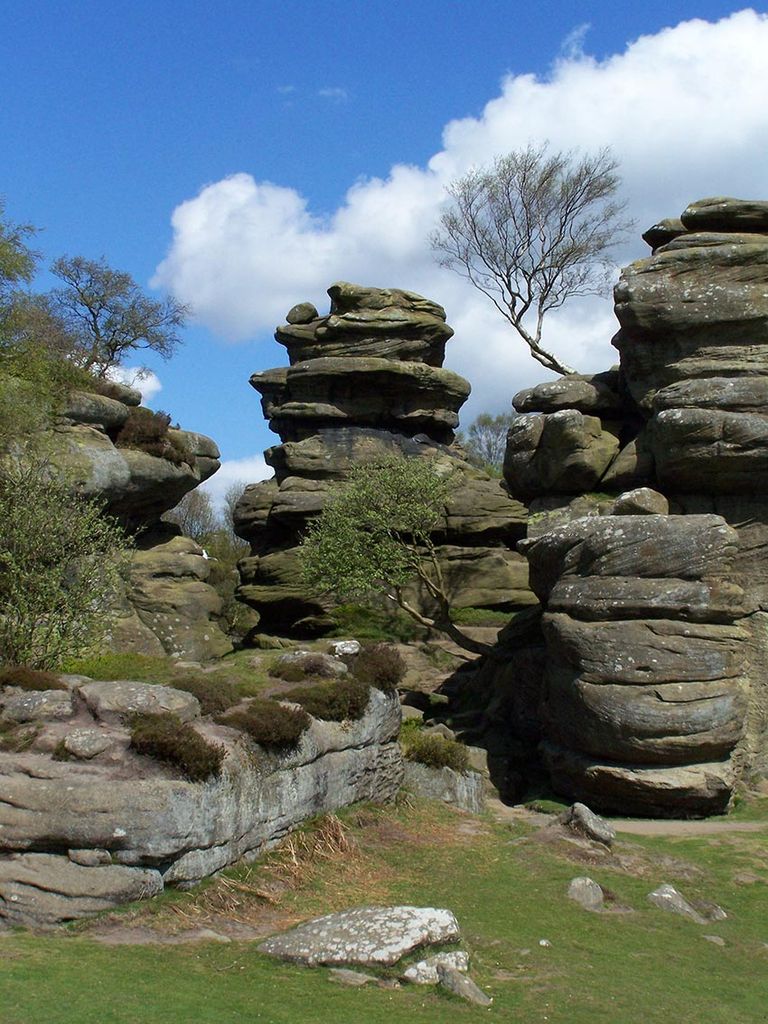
167 606
366 381
109 825
654 698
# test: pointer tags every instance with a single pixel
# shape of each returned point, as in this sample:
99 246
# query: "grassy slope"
508 892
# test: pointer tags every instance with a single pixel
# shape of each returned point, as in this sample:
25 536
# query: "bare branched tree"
108 315
532 231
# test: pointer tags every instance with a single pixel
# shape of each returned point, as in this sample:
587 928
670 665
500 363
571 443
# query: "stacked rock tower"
653 698
364 381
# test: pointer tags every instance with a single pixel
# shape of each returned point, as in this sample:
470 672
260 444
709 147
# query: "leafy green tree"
17 260
532 231
108 316
60 564
486 440
374 536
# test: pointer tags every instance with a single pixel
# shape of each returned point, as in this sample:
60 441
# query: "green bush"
148 431
380 665
30 678
167 738
436 751
61 560
267 723
338 700
215 696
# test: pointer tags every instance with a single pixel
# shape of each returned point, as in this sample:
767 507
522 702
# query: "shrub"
267 723
215 696
337 701
148 431
380 665
436 751
60 564
30 678
167 738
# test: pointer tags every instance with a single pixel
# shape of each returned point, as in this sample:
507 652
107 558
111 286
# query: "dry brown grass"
329 866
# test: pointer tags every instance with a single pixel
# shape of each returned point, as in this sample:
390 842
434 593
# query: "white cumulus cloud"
145 381
683 110
244 471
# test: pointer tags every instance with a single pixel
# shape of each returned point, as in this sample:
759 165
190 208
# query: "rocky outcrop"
365 381
644 686
649 696
110 825
167 606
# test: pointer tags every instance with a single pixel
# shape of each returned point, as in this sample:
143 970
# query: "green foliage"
108 317
337 700
215 696
121 665
269 724
167 738
30 678
60 564
149 432
17 260
371 530
437 751
379 665
481 617
34 380
374 622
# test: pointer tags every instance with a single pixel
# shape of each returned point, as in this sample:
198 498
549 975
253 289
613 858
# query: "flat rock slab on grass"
462 986
353 979
425 971
366 936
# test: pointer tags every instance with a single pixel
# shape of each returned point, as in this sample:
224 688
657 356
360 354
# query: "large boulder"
646 661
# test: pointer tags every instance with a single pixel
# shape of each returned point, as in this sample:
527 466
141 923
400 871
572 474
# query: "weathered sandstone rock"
367 381
158 828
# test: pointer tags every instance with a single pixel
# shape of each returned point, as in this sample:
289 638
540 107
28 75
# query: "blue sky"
301 140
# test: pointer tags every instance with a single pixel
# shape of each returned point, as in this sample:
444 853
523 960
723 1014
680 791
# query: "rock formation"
363 381
655 604
167 606
110 825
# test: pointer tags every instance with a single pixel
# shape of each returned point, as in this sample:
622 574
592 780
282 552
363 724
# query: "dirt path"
632 826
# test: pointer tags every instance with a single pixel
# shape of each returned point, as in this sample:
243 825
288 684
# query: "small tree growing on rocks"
60 564
374 536
532 231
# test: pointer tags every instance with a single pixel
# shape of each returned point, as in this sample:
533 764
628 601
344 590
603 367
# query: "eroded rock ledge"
108 826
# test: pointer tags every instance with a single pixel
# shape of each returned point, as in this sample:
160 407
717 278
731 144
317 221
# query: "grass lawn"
507 888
